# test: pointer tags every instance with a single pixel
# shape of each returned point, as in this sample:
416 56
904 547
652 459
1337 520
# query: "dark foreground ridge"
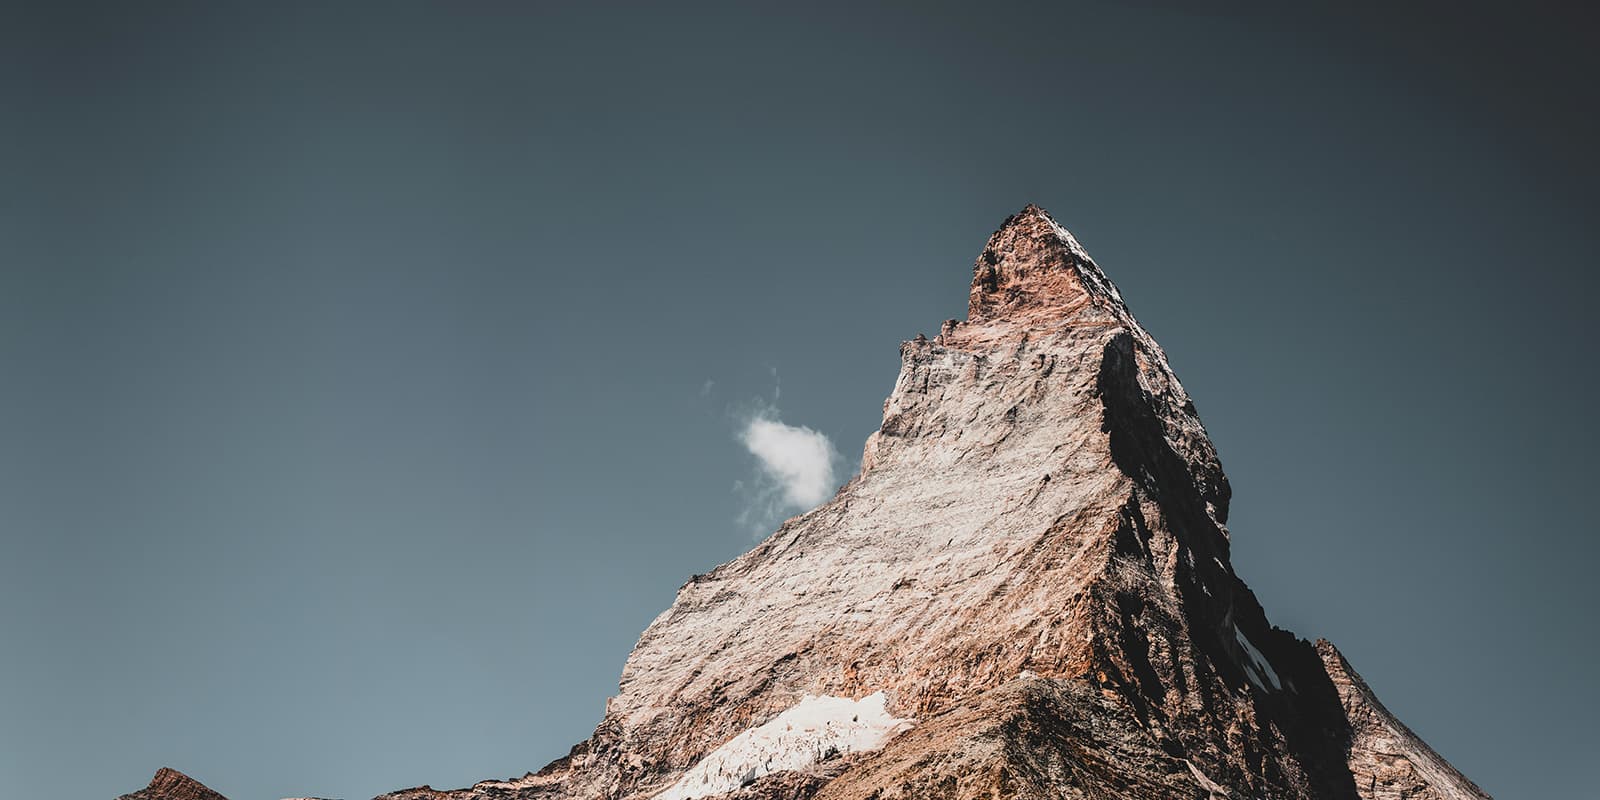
1026 593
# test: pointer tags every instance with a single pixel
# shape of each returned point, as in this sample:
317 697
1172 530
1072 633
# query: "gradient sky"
372 375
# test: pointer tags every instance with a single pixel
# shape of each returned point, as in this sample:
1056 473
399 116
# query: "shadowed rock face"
1032 567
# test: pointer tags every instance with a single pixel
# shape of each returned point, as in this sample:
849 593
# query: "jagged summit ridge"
1026 592
1032 261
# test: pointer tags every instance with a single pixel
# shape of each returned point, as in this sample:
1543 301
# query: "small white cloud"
799 459
796 468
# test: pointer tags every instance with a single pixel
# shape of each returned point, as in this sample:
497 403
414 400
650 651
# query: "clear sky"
371 375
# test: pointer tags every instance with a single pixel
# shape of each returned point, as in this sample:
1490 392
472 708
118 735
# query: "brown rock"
1389 762
170 784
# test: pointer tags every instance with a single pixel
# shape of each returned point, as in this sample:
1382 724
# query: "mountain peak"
1025 592
1031 275
170 784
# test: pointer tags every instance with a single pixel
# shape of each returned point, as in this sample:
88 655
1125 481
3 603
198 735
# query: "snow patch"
1213 789
1257 667
812 730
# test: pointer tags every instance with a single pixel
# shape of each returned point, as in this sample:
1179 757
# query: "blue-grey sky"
373 374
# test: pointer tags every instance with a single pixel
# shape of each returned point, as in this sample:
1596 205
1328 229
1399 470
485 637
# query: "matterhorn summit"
1025 593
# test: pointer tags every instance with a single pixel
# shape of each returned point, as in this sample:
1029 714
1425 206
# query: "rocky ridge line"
170 784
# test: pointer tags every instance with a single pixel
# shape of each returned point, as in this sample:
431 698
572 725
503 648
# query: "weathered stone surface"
170 784
1388 761
1033 567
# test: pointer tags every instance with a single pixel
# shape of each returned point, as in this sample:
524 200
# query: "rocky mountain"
1025 593
170 784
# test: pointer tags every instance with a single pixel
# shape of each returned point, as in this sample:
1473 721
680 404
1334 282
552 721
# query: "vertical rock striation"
1030 582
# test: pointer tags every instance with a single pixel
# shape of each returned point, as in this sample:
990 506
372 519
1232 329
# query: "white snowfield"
812 730
1258 667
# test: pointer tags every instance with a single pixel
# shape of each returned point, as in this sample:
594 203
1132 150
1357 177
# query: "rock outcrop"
1387 760
1025 593
170 784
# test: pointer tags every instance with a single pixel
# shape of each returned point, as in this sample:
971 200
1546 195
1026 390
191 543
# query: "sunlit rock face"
1026 592
170 784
